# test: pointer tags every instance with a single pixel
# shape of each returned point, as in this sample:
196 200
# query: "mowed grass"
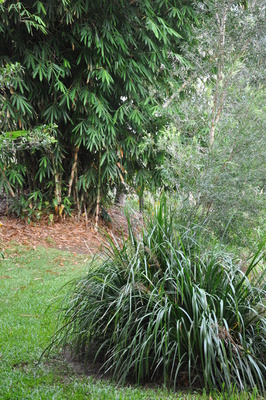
30 280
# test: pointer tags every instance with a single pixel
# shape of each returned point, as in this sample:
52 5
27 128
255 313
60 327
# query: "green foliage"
214 150
15 109
18 149
39 137
96 70
163 305
26 328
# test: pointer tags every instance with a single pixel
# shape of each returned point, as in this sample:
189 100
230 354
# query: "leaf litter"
71 234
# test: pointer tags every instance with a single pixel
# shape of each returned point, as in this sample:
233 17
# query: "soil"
70 233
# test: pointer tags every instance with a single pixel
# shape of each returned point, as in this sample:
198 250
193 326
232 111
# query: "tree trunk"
58 191
98 194
218 100
73 170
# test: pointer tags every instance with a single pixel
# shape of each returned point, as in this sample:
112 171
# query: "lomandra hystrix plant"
162 305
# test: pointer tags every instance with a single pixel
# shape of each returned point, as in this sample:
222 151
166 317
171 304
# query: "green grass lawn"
29 282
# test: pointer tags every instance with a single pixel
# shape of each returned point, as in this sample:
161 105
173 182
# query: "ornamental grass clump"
164 307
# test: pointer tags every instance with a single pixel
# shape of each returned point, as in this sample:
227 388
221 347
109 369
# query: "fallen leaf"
5 277
26 315
52 272
19 288
37 279
61 208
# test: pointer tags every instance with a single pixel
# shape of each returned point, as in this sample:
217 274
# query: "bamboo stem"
76 186
58 192
98 194
76 150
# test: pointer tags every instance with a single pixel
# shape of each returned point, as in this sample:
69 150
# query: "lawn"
29 282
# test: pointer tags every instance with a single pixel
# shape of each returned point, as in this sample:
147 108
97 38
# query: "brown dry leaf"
5 277
52 272
70 234
26 315
61 209
37 279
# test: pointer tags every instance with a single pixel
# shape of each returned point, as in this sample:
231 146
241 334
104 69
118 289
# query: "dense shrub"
163 305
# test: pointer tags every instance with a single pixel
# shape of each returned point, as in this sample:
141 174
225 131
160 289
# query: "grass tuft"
163 307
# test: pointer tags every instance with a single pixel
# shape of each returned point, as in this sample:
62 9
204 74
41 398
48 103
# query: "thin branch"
76 150
175 94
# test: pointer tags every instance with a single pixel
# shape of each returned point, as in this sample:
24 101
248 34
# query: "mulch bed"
78 236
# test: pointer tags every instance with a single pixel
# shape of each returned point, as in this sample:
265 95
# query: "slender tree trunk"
86 215
98 194
218 100
58 191
76 187
73 170
80 205
222 81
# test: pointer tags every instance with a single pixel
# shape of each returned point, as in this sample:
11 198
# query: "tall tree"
216 150
94 69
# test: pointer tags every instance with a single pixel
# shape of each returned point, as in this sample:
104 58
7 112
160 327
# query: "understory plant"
163 305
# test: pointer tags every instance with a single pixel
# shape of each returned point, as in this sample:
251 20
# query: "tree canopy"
215 148
96 70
